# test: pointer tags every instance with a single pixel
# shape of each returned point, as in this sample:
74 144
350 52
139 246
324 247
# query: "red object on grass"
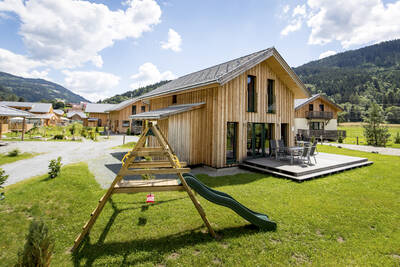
150 198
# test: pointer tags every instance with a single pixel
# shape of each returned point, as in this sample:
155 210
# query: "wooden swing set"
133 165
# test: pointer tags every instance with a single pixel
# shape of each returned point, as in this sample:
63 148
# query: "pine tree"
375 133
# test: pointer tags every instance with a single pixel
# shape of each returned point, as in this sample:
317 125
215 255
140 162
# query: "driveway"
99 156
371 149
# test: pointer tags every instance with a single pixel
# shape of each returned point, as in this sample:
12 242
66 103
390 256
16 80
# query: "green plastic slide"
223 199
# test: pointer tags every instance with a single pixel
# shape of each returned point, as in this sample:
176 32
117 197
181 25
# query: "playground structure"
164 161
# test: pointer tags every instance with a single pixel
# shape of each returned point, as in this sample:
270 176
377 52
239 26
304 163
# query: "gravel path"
380 150
99 155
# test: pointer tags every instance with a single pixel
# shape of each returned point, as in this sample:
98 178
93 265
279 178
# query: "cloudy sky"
101 48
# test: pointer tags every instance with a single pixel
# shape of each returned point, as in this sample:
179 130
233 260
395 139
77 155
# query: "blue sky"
101 48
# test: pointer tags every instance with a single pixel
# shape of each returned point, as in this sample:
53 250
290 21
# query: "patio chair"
313 151
273 148
305 155
281 148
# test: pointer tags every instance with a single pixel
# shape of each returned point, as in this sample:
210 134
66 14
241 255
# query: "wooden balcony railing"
327 115
325 134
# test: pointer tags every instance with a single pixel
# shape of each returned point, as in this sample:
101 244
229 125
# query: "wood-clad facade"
119 121
102 119
328 106
199 136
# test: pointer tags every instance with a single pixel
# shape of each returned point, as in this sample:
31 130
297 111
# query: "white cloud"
21 65
286 9
68 33
327 54
149 74
298 15
174 41
92 85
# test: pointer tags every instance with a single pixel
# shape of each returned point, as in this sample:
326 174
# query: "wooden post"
23 129
123 140
1 127
357 140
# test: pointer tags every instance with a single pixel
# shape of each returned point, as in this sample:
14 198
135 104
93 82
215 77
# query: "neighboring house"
98 114
223 114
59 112
316 116
43 112
78 116
8 114
119 115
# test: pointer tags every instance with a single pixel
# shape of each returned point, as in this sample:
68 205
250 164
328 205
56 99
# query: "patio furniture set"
303 151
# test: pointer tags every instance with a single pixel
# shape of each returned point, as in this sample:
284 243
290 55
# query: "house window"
143 108
315 125
174 99
133 110
125 123
310 107
251 93
270 96
321 107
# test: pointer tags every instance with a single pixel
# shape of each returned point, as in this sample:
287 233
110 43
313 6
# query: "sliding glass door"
258 136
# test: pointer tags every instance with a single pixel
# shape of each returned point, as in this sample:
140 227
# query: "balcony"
326 115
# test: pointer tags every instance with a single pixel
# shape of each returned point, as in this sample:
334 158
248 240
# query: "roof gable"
298 103
223 73
98 108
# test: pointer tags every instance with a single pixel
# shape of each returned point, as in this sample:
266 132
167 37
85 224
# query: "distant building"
98 114
77 116
43 112
316 116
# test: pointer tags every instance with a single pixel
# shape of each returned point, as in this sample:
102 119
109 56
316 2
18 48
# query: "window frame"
143 109
174 99
271 103
134 110
251 105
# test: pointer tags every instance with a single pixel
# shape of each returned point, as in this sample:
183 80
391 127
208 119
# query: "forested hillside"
15 88
134 93
354 78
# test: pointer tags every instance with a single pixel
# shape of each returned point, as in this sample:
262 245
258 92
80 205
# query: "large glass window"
251 93
231 142
271 107
315 125
258 135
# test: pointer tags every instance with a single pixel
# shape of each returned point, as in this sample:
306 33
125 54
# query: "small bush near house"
3 179
84 133
54 167
128 131
97 129
397 138
340 139
58 137
38 248
13 153
93 135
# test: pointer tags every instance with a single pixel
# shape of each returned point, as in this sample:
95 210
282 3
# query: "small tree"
3 179
54 167
397 138
375 133
38 248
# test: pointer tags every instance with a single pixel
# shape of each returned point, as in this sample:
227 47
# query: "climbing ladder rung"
154 171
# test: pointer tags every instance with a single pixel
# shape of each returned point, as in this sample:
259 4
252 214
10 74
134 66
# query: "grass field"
350 218
354 129
5 158
128 145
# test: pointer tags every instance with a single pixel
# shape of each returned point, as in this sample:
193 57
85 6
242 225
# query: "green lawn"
350 218
354 130
4 158
128 145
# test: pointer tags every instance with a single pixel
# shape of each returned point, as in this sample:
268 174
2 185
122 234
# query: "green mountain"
134 93
355 78
14 88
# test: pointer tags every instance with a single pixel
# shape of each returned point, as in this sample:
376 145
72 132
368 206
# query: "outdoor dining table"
293 151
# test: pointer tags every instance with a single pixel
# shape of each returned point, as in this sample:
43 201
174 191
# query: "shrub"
97 129
397 138
58 137
38 247
84 133
375 133
54 167
76 128
340 138
93 136
14 153
3 179
128 131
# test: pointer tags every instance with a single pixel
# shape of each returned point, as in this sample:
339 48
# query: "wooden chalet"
98 114
43 113
119 121
224 114
316 116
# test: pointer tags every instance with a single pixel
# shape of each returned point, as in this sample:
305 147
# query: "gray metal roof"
59 112
223 73
43 116
123 104
298 103
98 108
13 112
75 112
34 106
165 112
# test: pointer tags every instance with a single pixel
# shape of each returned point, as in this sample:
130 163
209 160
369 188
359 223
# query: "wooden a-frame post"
132 166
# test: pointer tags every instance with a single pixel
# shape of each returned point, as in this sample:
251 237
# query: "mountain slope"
34 90
134 93
354 78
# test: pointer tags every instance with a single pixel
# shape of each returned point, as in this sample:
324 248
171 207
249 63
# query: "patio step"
317 173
